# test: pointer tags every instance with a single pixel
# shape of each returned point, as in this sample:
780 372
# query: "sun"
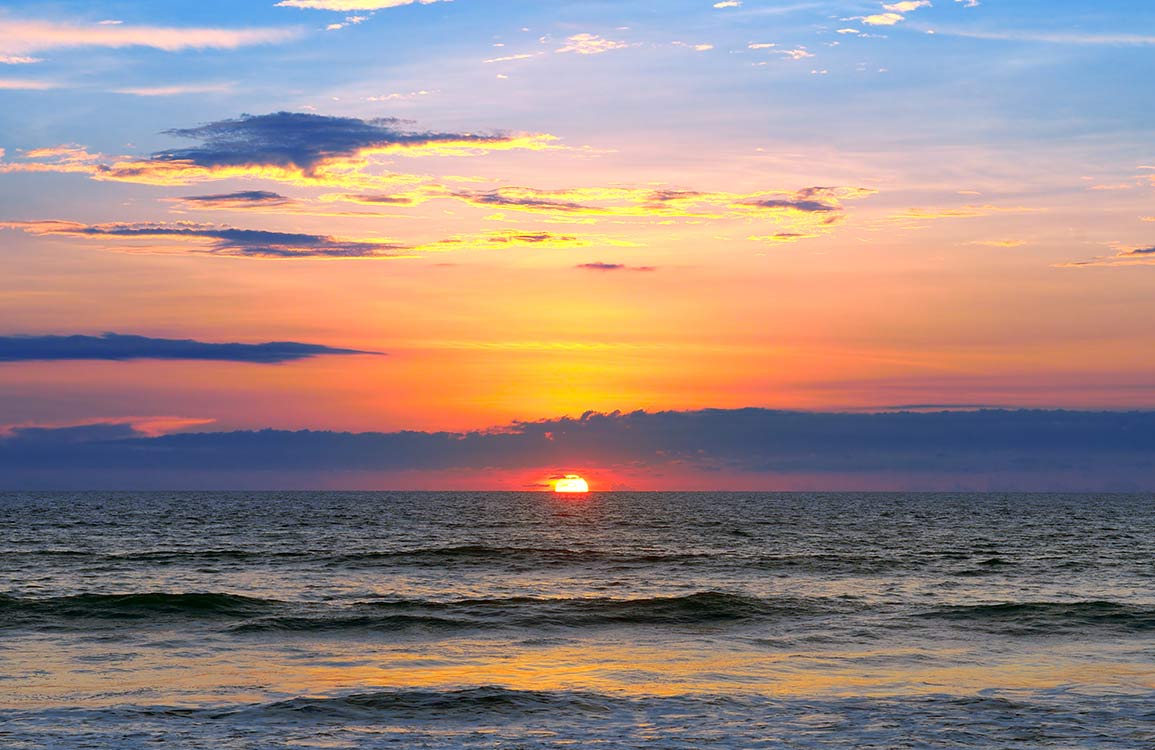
571 483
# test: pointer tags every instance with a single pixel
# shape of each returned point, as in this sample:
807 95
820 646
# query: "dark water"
462 620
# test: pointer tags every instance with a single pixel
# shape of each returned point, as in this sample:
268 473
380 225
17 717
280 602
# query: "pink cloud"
19 37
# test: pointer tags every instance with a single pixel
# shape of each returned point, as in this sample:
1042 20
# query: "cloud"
590 44
880 19
177 90
18 37
969 211
376 199
728 4
1054 37
802 214
783 237
524 199
26 84
18 60
665 202
294 147
345 6
600 266
1126 256
805 205
121 347
998 243
799 53
976 449
317 150
211 239
238 200
113 428
511 58
305 142
65 155
321 151
267 201
504 239
906 6
189 238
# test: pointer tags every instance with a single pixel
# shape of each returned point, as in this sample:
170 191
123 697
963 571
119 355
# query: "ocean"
614 620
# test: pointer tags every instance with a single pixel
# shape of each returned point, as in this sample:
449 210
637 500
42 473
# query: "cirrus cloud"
345 6
18 37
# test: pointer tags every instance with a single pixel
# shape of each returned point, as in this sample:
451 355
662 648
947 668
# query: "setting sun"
571 483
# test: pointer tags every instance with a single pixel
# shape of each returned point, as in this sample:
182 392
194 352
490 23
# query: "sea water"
619 620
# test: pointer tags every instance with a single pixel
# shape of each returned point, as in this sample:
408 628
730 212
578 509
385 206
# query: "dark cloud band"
119 347
1105 450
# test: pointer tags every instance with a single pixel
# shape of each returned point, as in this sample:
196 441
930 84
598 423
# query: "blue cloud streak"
117 347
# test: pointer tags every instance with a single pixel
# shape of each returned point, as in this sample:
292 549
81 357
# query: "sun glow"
571 483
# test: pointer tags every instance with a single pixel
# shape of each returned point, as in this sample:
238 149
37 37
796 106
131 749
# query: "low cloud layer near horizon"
982 450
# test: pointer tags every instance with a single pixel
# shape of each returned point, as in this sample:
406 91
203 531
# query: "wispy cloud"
240 199
190 238
107 428
968 211
26 84
1053 37
211 239
345 6
18 37
602 266
657 202
1126 256
267 201
177 89
590 44
513 58
998 243
120 347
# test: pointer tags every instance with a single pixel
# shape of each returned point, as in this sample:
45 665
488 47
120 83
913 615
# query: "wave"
244 614
477 703
704 608
1044 617
478 554
829 563
135 606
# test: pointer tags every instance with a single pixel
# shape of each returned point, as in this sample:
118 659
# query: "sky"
735 241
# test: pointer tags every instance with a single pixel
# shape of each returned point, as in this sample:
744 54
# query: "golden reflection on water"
619 668
41 673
